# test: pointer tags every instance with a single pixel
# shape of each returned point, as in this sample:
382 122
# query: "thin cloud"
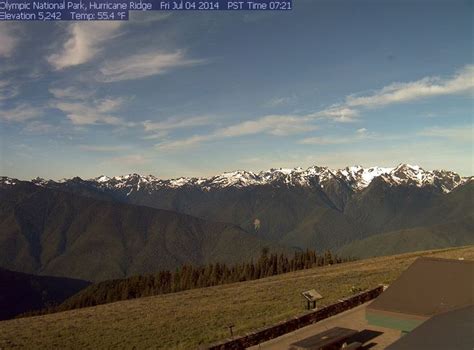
71 92
277 125
183 143
85 41
37 127
105 149
359 135
8 89
175 123
94 112
461 82
387 154
156 135
283 125
82 108
8 40
20 113
279 101
459 133
145 65
321 140
128 160
161 129
339 114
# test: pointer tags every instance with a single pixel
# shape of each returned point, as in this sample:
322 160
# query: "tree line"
189 277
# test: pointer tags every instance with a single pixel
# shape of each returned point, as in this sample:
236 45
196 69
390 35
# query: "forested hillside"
52 232
189 277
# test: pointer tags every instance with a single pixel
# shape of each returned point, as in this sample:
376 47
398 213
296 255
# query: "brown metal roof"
428 287
450 330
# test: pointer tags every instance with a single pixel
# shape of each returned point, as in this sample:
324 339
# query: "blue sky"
332 83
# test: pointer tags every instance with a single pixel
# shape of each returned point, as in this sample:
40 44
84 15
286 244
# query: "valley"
135 224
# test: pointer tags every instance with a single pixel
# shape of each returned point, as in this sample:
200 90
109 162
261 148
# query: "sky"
332 83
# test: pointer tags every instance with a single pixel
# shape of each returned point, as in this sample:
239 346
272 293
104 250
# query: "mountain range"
356 178
128 217
50 232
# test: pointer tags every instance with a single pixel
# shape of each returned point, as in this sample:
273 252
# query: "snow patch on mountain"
8 181
356 177
359 178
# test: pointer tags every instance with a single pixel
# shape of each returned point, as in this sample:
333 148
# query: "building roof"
450 330
428 287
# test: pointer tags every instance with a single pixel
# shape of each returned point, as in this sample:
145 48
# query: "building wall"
404 324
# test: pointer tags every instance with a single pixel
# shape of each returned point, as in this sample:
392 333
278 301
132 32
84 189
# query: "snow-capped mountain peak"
415 175
8 181
240 178
102 178
355 177
359 178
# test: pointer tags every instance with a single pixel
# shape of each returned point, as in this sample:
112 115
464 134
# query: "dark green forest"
189 277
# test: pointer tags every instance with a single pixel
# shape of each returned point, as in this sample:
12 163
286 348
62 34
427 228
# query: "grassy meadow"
188 319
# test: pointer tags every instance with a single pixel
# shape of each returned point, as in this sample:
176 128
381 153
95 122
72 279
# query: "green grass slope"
187 319
410 240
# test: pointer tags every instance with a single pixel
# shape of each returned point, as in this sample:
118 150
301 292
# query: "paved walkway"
373 338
